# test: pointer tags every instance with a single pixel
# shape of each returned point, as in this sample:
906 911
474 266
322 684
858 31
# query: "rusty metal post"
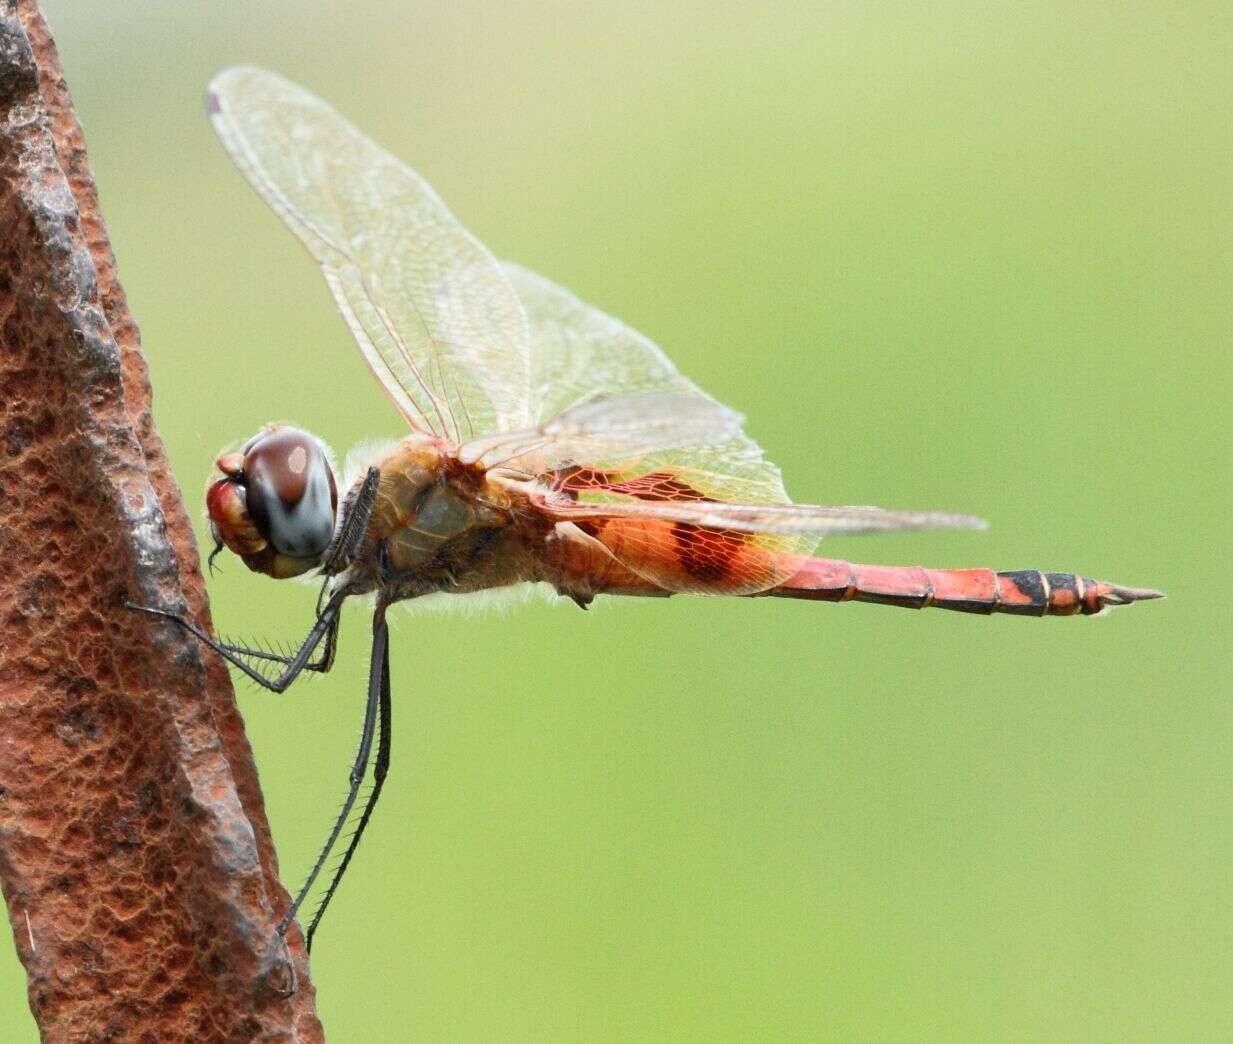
135 855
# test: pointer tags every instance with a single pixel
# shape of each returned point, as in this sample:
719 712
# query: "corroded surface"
134 852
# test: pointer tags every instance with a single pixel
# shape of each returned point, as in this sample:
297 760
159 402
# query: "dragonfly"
547 443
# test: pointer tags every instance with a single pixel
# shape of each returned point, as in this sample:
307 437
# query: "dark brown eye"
291 496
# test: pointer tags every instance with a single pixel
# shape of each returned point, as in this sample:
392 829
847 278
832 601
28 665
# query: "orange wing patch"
675 556
657 485
683 557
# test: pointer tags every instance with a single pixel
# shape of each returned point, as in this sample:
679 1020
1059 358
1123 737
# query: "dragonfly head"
275 503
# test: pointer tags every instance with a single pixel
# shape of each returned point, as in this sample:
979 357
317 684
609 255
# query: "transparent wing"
785 519
433 313
605 396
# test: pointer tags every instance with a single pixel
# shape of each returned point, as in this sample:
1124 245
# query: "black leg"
380 768
357 510
378 675
326 626
321 665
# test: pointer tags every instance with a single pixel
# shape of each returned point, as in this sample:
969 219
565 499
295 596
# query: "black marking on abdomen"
1031 584
1063 582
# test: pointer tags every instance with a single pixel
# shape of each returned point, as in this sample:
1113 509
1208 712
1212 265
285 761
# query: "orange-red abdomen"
1018 592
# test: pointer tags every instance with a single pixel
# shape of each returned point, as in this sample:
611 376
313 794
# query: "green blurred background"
943 256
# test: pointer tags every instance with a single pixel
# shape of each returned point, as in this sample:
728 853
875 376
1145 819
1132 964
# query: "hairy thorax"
440 525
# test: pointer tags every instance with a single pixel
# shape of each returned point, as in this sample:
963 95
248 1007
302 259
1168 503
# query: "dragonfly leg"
386 574
321 665
357 510
380 768
378 683
325 627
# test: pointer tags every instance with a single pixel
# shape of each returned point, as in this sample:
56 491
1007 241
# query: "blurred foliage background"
954 255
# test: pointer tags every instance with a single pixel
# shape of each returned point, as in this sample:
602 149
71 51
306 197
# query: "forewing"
433 313
780 519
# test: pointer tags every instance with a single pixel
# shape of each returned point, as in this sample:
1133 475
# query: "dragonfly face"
275 503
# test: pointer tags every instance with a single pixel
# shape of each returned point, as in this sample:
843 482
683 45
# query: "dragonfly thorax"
428 512
275 503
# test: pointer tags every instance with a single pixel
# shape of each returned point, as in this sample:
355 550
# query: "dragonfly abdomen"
1026 592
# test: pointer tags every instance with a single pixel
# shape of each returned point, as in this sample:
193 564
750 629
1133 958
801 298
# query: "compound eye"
291 494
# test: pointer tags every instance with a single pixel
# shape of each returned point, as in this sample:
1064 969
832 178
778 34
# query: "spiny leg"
326 626
357 510
380 768
321 665
378 673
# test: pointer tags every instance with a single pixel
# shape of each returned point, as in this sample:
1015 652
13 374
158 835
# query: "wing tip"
222 80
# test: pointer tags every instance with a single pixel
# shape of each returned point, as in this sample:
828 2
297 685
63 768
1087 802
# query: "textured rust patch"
134 851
